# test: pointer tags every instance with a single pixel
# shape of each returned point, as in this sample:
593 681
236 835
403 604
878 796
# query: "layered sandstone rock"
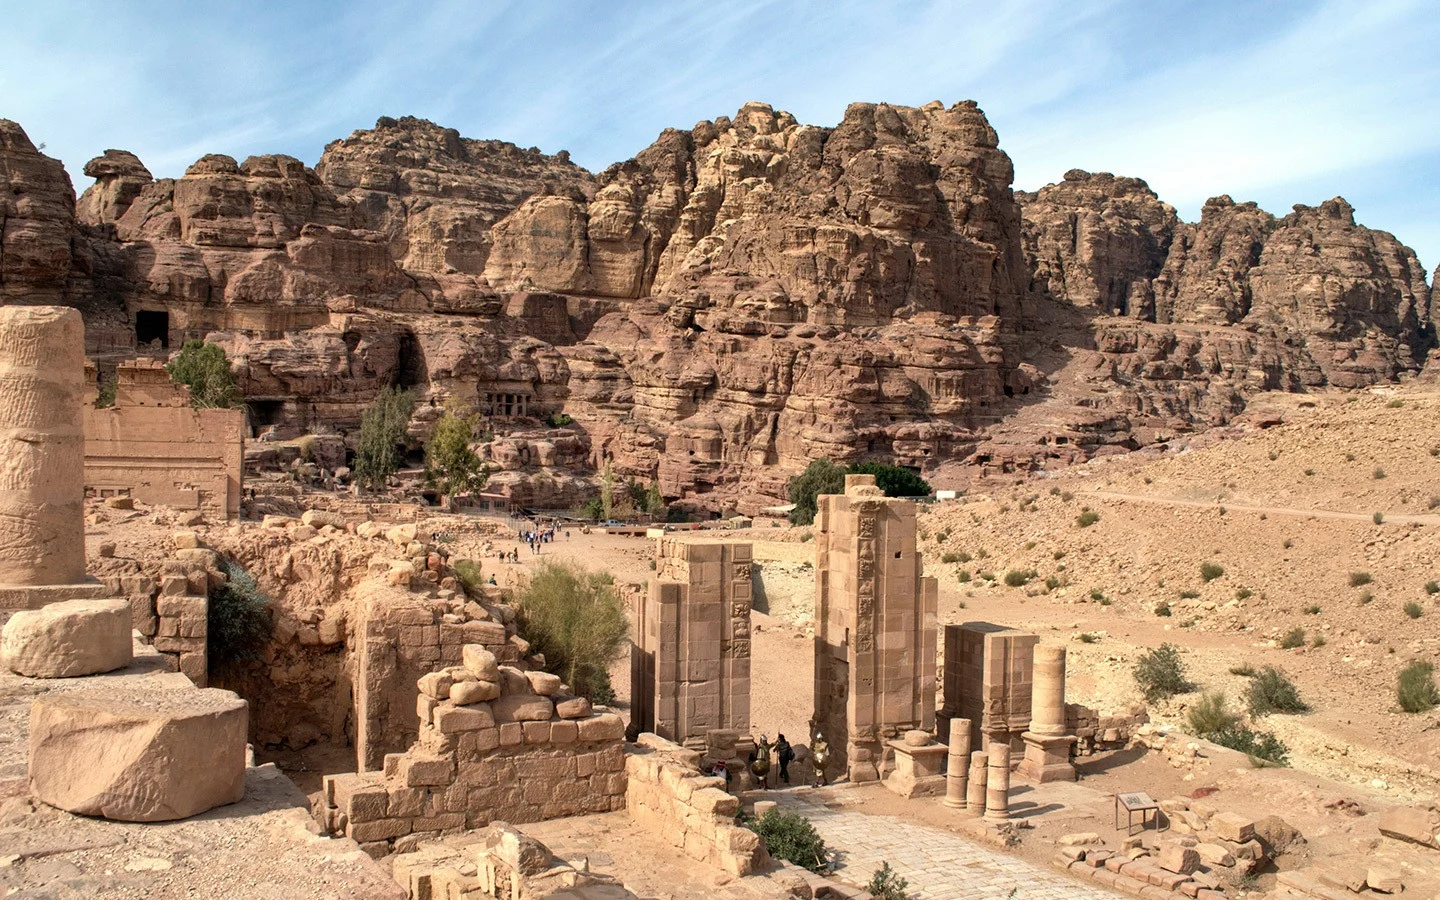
120 178
37 217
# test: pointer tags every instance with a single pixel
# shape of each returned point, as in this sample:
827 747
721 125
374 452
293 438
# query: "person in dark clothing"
785 755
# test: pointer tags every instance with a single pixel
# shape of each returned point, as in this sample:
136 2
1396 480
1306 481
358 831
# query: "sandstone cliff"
738 299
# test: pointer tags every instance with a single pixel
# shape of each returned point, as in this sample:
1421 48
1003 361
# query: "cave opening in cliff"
152 325
410 368
264 413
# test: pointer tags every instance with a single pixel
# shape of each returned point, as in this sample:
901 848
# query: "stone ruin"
153 446
498 862
139 750
988 682
496 744
875 627
690 657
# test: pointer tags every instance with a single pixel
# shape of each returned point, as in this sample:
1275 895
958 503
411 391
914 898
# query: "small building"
482 503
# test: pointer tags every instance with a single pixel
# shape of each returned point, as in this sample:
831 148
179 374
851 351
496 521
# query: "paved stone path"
939 865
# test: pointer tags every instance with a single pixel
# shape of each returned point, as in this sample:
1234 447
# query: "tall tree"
820 477
383 433
450 465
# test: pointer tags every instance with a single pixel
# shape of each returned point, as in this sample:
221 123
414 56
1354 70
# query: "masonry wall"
402 636
690 659
989 679
521 757
875 639
668 795
153 446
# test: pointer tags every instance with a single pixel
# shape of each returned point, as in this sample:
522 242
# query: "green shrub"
1293 638
1058 555
1396 403
1258 745
895 481
1087 518
1287 543
1088 637
886 885
820 477
1243 594
1416 687
1018 578
950 557
575 618
1052 582
1359 579
383 433
1378 474
963 576
1270 691
1163 608
467 572
1189 595
1413 609
1318 641
239 620
1211 714
1244 670
204 369
558 420
1097 595
1210 571
1309 471
1378 518
1432 587
1104 601
791 837
1160 673
105 395
1312 610
1364 598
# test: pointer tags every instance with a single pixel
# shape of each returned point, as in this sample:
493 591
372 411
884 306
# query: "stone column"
957 778
997 786
975 791
1047 746
42 446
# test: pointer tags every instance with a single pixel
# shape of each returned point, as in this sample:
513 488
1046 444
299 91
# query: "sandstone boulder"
1417 826
138 755
544 683
480 662
68 639
465 693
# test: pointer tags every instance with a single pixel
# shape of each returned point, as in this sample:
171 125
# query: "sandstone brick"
564 732
453 719
604 727
511 733
416 770
435 684
523 708
1178 859
574 708
1232 827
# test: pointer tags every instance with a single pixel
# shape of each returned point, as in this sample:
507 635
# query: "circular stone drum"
138 754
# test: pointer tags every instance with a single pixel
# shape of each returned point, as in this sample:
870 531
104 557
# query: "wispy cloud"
1291 101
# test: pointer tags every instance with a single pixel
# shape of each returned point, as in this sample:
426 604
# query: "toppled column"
1047 746
68 639
957 777
997 786
975 791
42 446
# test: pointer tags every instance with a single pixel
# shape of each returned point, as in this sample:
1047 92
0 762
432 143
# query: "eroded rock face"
1355 295
37 218
740 298
895 211
1098 241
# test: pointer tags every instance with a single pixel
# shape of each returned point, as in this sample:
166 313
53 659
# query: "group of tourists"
784 755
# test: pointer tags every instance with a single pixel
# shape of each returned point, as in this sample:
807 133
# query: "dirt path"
1400 519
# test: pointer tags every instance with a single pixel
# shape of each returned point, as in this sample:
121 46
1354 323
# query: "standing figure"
760 760
819 757
785 755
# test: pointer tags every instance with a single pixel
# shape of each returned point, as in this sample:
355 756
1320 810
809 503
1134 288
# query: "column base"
1047 759
15 597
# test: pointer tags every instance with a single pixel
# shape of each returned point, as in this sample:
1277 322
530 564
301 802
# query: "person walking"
785 755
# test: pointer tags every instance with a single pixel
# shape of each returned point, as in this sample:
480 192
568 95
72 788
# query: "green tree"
204 369
105 396
383 429
607 491
450 465
894 480
655 503
575 618
820 477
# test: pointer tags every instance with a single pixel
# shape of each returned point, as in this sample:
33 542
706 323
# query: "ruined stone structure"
499 862
668 794
152 445
957 772
919 765
875 627
496 744
988 681
42 536
1047 744
690 659
401 637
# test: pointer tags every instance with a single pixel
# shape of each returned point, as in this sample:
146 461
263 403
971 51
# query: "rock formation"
738 299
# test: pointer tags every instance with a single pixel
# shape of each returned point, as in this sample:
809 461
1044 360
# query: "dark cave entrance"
152 325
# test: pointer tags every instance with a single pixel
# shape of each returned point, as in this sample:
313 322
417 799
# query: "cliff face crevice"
738 299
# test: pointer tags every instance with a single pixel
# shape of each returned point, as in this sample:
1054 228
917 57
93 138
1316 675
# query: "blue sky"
1278 101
